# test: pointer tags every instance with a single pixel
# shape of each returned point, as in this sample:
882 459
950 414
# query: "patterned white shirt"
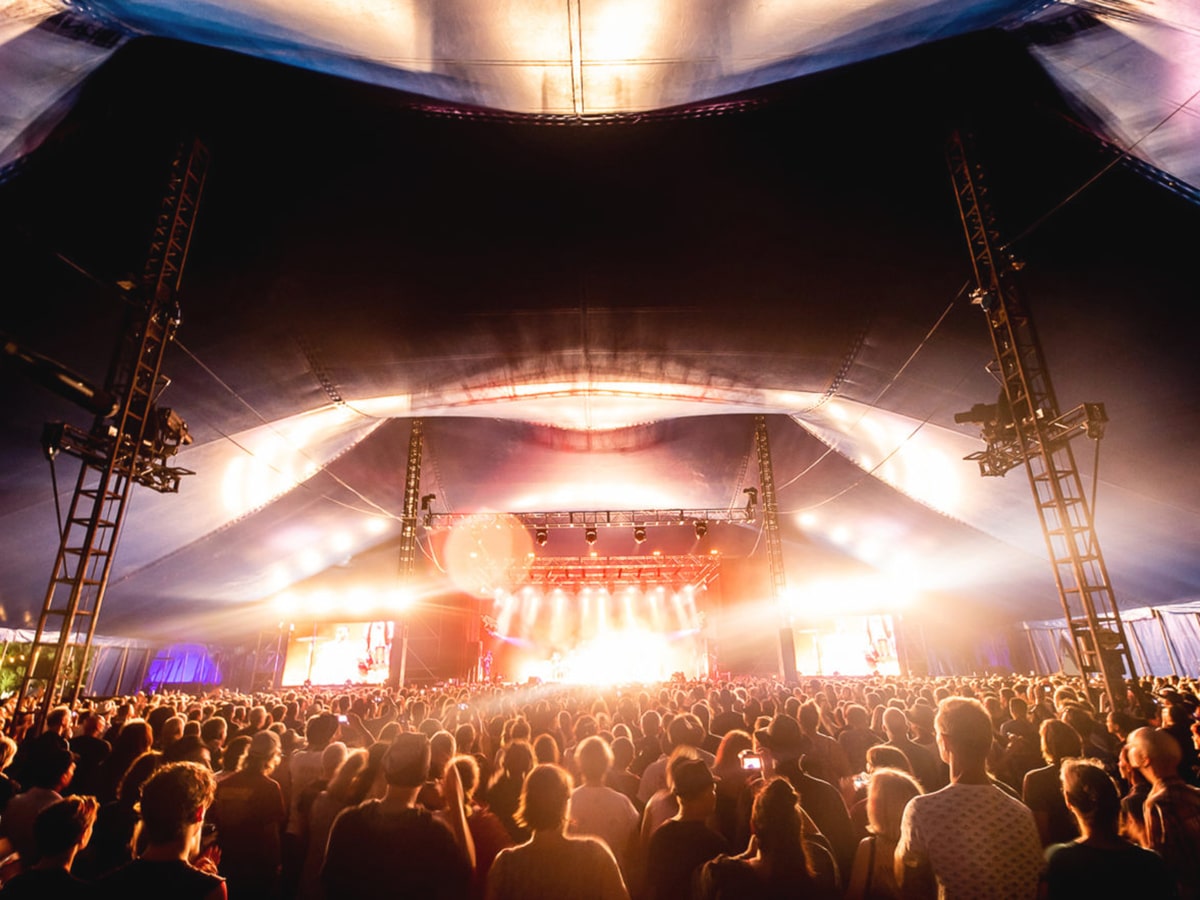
980 843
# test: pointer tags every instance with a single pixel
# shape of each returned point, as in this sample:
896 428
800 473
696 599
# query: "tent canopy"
587 316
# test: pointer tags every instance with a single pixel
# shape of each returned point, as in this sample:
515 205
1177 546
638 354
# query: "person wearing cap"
393 847
969 839
249 815
682 844
781 744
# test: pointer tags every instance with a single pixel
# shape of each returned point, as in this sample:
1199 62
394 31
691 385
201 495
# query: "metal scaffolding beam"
770 515
1026 427
132 444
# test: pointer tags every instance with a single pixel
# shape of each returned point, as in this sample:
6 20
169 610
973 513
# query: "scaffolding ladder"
1028 429
122 448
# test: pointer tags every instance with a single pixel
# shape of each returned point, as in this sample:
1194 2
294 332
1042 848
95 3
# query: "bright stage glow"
850 596
617 657
598 636
359 602
848 645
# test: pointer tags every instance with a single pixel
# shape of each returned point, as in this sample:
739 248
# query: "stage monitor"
338 652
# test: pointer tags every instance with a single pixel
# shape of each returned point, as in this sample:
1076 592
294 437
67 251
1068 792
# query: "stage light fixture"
541 535
590 534
701 528
639 533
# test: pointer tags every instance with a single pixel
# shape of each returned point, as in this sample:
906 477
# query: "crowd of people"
863 788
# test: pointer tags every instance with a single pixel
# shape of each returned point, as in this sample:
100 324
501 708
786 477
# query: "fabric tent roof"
586 317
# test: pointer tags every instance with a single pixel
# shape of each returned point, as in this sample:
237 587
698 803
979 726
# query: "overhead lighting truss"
615 571
609 518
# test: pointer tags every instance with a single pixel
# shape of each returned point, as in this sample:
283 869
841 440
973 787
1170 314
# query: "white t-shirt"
606 814
979 842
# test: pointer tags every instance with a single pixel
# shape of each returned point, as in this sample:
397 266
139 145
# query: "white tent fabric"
1132 67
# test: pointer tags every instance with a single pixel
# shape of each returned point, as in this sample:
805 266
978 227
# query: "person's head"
518 759
545 749
64 825
263 754
775 819
214 731
189 748
1155 753
810 717
623 752
895 723
341 784
92 724
544 797
1018 708
727 757
964 730
320 730
884 756
468 774
235 752
332 758
58 721
1059 741
888 792
441 751
693 786
406 763
857 716
1091 795
595 759
51 768
135 738
130 788
781 737
685 730
174 800
172 730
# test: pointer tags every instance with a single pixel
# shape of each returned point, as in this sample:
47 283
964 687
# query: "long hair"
775 819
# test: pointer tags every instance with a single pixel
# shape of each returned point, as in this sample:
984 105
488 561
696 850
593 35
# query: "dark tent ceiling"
586 317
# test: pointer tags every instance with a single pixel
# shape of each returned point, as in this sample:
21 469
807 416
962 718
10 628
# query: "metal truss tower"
408 543
1026 427
770 515
131 443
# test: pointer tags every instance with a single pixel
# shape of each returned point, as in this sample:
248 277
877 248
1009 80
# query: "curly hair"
173 798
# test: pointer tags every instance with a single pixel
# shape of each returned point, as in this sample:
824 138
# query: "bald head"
1155 752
